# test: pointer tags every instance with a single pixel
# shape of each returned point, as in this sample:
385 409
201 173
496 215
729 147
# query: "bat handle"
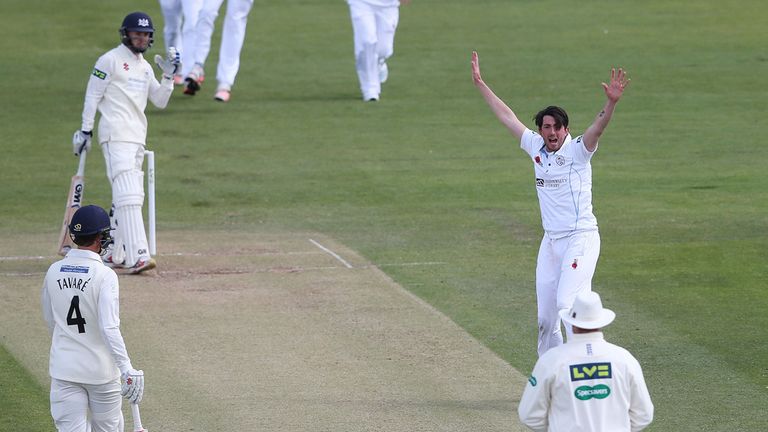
137 427
81 164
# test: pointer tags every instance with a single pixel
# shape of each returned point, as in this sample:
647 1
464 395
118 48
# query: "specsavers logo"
600 391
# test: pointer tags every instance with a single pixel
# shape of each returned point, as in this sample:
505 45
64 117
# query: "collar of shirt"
586 337
82 253
127 52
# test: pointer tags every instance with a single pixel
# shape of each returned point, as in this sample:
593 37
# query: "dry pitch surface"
278 332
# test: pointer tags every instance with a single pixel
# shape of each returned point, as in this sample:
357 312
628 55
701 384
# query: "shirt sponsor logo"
588 371
550 183
600 391
73 269
532 380
99 74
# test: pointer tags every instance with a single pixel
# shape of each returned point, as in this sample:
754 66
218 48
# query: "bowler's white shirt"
119 86
92 352
586 384
563 184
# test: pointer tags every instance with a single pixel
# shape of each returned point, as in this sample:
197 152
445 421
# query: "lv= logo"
588 371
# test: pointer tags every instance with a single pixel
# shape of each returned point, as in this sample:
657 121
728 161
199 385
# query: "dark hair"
85 240
559 114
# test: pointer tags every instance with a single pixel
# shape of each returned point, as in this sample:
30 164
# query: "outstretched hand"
476 68
615 88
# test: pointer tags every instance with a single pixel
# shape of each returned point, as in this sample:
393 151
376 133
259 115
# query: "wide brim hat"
588 312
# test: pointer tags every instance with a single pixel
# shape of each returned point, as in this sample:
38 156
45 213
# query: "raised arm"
613 91
499 108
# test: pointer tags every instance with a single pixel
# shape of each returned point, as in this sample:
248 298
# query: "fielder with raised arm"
119 87
571 244
81 306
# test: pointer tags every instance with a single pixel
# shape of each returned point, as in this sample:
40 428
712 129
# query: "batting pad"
130 232
128 189
128 196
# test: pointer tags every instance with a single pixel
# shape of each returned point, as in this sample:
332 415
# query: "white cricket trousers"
232 37
124 161
374 41
180 20
564 268
71 404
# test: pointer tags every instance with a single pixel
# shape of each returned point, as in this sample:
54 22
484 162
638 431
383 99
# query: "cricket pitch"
278 332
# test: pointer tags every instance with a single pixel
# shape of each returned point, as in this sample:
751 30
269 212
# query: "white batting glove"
133 385
81 140
171 64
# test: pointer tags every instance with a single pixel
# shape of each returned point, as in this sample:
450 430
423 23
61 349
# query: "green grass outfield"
428 174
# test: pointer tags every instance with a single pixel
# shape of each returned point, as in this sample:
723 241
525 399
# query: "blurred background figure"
232 39
374 23
180 17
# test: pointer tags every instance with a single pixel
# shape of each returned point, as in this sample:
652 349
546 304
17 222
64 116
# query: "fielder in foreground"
587 384
119 87
571 244
80 302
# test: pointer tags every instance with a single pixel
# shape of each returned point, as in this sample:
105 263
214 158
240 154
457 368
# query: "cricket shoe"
194 80
222 95
142 265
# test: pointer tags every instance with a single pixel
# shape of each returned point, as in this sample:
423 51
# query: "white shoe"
383 72
222 95
370 97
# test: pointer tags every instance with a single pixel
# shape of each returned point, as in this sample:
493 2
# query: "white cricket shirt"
119 87
586 384
563 184
81 307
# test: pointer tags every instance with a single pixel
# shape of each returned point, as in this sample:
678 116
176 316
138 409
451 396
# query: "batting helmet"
89 220
136 22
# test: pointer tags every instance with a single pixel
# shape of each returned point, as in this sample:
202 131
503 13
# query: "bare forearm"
503 112
593 133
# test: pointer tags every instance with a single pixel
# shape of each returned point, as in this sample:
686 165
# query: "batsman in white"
119 87
232 39
373 25
81 307
563 174
180 18
587 384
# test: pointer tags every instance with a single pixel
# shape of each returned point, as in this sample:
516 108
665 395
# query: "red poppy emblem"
575 264
538 160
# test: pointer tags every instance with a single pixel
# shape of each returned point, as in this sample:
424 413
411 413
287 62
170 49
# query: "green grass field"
428 174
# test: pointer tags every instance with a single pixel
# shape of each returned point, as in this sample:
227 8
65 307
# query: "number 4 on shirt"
78 320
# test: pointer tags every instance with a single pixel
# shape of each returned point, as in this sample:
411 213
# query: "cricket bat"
74 201
137 427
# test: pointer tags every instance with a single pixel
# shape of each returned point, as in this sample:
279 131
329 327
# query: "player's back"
72 290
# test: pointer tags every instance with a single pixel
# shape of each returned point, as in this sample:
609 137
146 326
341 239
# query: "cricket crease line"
170 254
332 253
259 270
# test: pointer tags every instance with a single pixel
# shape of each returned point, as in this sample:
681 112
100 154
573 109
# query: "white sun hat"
587 312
